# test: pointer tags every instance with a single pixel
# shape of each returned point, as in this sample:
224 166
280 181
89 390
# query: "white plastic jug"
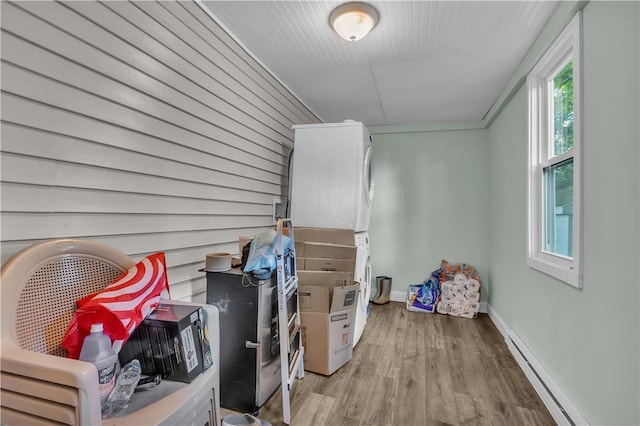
96 348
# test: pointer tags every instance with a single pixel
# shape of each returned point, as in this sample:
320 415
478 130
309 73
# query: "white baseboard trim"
498 321
560 407
398 296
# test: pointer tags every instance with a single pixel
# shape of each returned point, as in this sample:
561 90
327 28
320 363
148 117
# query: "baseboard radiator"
556 402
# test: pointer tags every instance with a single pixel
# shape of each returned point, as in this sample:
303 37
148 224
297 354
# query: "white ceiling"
425 61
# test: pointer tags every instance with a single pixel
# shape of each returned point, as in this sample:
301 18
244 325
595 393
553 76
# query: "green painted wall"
460 195
586 339
431 202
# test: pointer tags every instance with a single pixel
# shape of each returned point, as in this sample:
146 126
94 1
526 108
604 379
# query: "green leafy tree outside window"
563 131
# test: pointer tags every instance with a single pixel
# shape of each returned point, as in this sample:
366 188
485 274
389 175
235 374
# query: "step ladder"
291 349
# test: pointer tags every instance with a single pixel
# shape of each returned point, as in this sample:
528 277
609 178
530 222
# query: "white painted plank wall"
139 124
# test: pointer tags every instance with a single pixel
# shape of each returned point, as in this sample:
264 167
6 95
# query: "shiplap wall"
139 124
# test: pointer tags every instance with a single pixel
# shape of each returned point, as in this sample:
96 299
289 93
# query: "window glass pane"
563 110
558 221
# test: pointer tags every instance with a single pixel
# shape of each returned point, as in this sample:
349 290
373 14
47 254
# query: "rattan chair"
39 385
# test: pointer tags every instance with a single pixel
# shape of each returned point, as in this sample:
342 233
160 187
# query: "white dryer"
332 178
363 276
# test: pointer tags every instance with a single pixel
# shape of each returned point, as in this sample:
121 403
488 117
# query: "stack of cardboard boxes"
328 296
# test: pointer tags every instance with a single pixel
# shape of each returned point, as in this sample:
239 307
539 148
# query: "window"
553 160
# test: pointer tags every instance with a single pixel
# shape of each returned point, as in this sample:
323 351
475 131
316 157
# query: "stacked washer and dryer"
332 186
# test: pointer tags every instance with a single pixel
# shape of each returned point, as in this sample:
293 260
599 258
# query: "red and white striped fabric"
121 306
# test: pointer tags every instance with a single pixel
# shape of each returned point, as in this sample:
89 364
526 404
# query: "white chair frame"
38 384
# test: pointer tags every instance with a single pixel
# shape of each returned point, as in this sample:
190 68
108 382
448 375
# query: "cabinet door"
201 415
237 301
269 377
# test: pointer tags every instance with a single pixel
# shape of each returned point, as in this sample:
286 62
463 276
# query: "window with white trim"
553 159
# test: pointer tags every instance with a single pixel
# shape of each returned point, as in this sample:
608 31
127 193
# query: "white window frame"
539 136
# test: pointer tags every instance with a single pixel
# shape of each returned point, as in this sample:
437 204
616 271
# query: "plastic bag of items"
121 306
459 290
424 297
261 261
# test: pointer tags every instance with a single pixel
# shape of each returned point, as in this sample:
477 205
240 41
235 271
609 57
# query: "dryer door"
369 179
363 274
367 279
365 192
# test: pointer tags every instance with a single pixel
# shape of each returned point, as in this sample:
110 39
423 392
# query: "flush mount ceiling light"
353 21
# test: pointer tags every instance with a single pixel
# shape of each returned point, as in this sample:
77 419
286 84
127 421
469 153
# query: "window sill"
567 274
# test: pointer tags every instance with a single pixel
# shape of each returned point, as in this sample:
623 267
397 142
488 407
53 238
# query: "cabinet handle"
251 345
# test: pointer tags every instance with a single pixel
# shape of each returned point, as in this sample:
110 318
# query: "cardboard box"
316 289
328 297
325 235
205 343
328 337
329 251
167 342
326 265
325 250
325 278
327 318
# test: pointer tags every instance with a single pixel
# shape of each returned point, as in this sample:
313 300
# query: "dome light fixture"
352 21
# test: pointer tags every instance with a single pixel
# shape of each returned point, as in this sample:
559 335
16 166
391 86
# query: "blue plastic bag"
424 297
261 261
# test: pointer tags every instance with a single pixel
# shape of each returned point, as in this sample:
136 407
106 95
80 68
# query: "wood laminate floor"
417 369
